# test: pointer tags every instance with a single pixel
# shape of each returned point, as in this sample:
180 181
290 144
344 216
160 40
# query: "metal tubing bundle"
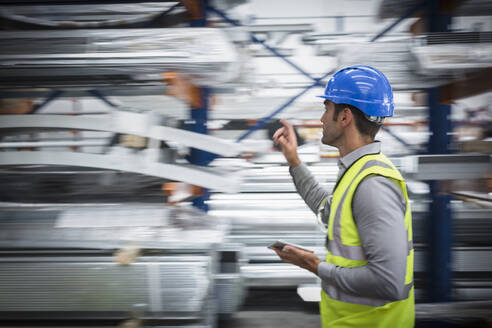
116 56
107 262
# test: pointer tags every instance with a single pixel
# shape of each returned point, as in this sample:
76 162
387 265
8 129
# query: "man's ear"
346 116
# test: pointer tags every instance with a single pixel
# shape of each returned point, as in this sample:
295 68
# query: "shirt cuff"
300 171
325 271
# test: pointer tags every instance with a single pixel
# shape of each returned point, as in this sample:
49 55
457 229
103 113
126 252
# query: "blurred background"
139 186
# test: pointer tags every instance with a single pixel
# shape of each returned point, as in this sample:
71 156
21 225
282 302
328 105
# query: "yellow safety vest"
341 309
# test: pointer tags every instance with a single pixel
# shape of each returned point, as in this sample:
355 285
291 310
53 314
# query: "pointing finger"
287 125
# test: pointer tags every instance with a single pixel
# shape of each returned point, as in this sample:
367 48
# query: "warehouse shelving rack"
435 16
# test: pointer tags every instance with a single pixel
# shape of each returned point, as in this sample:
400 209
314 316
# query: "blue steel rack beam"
317 81
265 120
100 96
255 39
199 118
55 94
440 220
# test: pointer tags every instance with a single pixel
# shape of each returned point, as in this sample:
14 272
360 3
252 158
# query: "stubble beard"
330 139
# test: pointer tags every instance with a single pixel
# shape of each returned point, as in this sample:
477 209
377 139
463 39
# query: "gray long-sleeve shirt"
378 209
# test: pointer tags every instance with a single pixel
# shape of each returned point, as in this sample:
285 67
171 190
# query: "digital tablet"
279 244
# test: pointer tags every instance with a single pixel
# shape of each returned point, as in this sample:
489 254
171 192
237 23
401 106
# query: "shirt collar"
347 160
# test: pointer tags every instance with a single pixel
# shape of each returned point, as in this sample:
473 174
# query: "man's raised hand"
286 138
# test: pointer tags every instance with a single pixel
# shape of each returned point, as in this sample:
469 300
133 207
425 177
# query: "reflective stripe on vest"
340 295
344 245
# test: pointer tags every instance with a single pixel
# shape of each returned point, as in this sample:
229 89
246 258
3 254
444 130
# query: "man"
367 277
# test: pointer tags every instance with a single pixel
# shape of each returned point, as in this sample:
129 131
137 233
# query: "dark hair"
364 126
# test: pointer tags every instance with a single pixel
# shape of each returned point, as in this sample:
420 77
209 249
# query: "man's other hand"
296 256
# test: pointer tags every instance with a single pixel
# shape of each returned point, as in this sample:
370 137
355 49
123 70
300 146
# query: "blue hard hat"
363 87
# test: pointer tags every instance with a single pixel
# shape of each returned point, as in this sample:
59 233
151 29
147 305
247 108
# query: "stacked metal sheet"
80 14
137 146
398 8
107 262
112 57
393 55
410 62
90 14
450 54
63 284
393 58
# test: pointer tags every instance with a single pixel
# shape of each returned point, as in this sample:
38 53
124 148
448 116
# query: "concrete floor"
268 319
274 308
284 308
